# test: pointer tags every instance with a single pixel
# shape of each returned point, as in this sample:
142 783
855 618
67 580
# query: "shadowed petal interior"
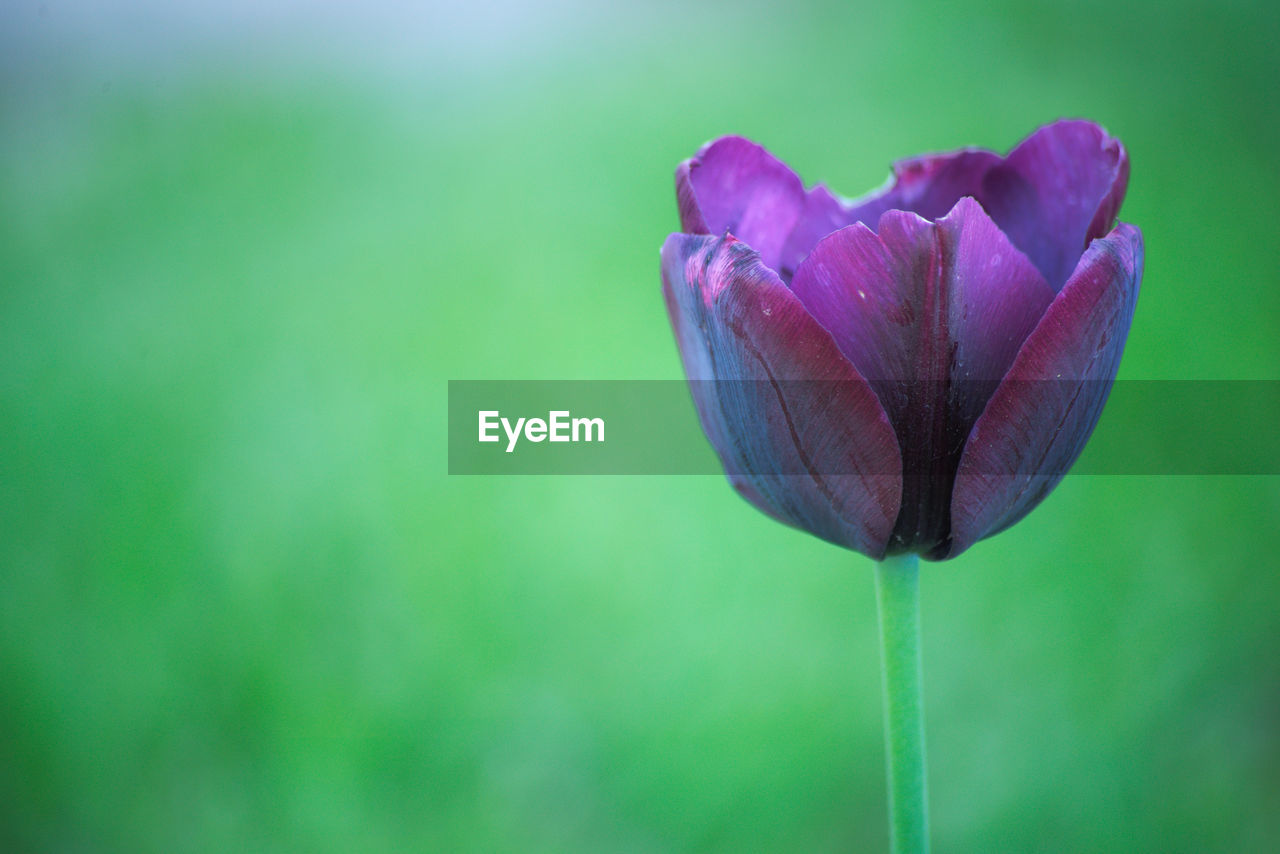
929 186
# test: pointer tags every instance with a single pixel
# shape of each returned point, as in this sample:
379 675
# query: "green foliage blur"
243 608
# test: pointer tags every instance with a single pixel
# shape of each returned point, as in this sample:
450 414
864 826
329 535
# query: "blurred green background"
243 608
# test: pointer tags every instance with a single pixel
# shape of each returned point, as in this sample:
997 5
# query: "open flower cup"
931 357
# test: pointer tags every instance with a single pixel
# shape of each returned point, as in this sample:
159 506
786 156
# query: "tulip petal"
735 186
929 186
1040 417
823 212
932 314
800 432
1057 190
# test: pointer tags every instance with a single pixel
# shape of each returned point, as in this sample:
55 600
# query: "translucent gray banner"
611 427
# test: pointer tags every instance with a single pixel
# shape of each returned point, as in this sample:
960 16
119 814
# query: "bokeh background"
243 608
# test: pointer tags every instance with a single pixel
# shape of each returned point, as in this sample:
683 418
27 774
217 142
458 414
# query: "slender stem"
898 595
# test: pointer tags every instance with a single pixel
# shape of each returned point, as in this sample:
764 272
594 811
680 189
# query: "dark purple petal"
739 325
932 314
1058 190
821 214
929 186
733 185
1040 417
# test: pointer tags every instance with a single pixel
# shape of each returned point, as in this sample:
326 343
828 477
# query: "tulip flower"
910 372
963 324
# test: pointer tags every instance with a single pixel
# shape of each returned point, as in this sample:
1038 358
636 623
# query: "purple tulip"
915 370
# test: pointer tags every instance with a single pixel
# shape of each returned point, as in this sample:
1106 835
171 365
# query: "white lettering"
559 424
486 424
513 436
558 427
587 424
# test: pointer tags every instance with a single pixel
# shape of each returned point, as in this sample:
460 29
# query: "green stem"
898 595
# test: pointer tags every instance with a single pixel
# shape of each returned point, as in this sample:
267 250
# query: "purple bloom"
915 370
